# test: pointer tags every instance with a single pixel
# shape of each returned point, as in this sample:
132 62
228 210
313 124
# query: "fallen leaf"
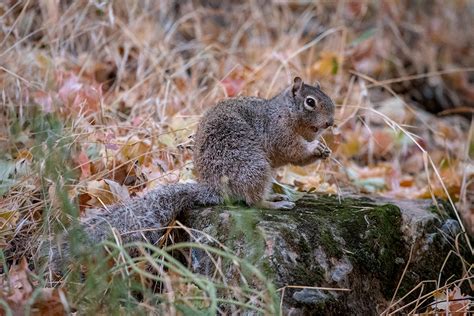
233 86
305 179
355 9
236 80
43 99
8 219
79 97
384 141
120 192
83 162
452 301
370 179
16 289
138 150
327 65
49 302
352 145
103 192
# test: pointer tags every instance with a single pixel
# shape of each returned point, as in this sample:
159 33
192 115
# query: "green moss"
369 233
240 233
305 246
307 274
332 247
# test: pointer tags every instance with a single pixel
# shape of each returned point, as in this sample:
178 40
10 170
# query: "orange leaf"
136 149
383 140
327 65
83 161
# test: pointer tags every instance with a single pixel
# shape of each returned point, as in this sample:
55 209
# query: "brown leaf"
120 192
236 80
352 145
16 289
104 192
49 302
137 150
8 219
453 303
24 154
355 8
122 172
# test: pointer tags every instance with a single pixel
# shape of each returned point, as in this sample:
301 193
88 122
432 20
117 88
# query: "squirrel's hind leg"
260 196
253 183
276 197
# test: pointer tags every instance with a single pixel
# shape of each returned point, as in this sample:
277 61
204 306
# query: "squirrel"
238 143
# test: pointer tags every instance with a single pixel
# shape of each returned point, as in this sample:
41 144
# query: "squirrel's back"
228 152
239 141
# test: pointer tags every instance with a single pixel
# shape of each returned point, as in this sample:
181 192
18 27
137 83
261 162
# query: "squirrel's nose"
329 123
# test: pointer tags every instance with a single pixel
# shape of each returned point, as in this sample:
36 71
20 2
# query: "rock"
353 243
310 296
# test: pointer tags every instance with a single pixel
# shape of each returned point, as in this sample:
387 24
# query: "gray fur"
238 143
145 217
137 219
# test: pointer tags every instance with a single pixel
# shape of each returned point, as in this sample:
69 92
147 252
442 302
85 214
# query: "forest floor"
99 101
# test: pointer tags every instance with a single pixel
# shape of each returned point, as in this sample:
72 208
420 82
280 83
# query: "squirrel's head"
314 110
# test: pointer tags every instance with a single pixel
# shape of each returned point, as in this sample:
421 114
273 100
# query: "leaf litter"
131 111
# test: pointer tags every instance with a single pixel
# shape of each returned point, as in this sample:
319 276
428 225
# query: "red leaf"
44 100
232 85
83 161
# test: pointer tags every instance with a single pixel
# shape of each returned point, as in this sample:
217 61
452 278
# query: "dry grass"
95 90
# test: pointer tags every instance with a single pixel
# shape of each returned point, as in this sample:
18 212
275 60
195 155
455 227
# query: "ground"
99 101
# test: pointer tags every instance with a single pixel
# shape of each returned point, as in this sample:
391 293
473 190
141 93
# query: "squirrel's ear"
317 85
297 84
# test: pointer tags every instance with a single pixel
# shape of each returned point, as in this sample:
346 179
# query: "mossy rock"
353 243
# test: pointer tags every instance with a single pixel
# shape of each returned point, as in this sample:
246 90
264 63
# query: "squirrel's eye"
310 103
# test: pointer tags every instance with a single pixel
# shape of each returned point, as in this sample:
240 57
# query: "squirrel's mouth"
315 129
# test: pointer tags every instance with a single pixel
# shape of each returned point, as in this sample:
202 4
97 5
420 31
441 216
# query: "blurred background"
99 101
101 98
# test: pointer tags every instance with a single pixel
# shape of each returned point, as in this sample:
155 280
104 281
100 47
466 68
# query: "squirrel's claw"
276 197
323 151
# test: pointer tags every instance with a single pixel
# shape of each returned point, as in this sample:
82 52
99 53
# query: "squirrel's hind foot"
287 205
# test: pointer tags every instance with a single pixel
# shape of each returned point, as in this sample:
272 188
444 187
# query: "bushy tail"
138 219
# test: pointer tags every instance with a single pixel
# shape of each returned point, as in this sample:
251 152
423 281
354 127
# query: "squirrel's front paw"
322 150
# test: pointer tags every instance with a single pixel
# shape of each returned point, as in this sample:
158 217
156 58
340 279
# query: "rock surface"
353 243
